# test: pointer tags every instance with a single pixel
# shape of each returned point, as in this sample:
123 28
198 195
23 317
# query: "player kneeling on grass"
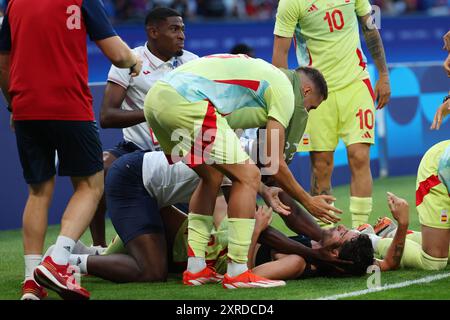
429 249
138 186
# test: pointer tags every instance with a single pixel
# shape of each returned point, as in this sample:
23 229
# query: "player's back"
230 82
49 59
168 184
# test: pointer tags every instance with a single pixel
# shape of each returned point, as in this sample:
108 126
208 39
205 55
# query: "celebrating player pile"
247 93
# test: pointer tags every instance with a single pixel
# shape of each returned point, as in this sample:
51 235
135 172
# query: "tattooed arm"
400 211
376 49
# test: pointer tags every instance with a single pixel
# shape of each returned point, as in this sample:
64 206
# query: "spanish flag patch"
444 216
305 139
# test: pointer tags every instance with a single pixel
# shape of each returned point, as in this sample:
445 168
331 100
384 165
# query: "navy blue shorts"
77 143
132 210
122 148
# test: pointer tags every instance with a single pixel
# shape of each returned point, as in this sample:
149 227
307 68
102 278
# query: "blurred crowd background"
122 11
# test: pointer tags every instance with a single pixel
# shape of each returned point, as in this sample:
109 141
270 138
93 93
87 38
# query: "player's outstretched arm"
376 49
111 113
441 113
263 217
318 206
120 54
280 53
400 212
271 198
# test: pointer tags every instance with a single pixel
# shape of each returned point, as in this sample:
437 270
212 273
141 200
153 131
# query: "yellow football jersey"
326 36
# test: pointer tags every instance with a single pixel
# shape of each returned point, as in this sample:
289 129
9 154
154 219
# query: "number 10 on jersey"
335 20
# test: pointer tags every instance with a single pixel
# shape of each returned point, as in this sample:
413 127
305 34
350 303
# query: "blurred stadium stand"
413 45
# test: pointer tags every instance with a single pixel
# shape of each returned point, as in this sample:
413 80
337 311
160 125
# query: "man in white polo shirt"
123 101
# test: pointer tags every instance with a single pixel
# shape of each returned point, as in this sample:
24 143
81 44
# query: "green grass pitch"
11 267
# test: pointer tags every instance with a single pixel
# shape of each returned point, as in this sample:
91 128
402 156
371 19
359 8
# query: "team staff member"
327 38
52 110
123 99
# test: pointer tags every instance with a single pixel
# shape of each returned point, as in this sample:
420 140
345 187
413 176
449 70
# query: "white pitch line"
387 287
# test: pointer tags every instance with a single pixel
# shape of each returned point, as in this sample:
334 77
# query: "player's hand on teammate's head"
399 208
382 91
320 207
271 198
441 113
263 218
136 69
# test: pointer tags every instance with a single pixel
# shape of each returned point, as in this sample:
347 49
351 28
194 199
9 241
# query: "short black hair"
160 14
241 48
317 77
359 250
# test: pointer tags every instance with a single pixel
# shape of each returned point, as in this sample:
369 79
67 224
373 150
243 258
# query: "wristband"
132 67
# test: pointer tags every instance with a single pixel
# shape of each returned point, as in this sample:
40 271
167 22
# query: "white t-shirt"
168 184
153 69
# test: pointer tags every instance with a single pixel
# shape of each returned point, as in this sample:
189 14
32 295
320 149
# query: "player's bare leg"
53 272
245 179
82 204
361 183
35 216
146 261
97 225
435 242
201 208
322 163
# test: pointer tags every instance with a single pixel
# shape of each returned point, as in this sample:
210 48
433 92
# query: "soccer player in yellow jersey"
326 37
201 102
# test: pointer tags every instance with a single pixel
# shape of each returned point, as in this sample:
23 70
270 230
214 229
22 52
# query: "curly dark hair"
160 14
359 250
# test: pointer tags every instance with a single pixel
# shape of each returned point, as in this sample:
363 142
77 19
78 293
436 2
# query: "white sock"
31 262
80 261
63 249
196 264
374 238
234 269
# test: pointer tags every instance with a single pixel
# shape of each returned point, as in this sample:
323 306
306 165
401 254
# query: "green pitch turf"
11 267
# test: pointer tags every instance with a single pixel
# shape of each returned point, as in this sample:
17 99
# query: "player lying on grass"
138 185
290 262
134 212
265 260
